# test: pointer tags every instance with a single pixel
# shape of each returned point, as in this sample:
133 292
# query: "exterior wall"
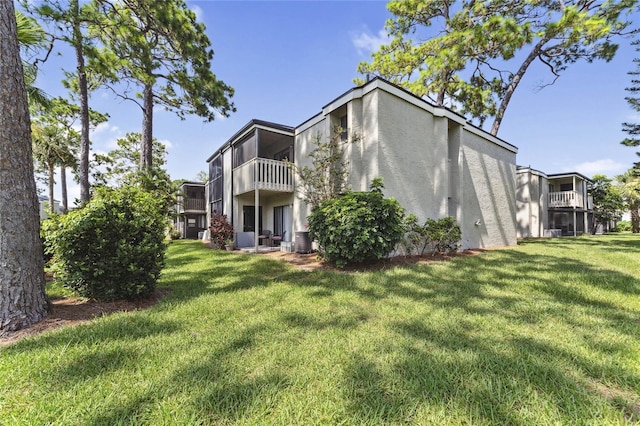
431 161
227 190
431 164
304 139
413 156
44 207
488 193
532 192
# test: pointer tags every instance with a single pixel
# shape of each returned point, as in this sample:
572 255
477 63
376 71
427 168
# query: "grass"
542 333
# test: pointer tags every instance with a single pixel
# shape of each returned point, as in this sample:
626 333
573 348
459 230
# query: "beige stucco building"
431 159
552 205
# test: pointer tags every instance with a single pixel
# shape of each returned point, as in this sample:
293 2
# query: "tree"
71 22
202 176
56 140
120 167
328 175
484 49
633 129
22 297
31 36
630 191
607 201
53 146
160 49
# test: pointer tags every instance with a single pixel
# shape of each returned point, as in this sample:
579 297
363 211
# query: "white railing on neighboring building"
566 199
273 175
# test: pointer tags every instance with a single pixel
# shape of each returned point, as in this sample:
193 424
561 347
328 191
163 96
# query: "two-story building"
432 160
552 205
190 211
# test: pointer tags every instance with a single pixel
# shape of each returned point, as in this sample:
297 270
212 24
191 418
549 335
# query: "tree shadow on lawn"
213 388
616 242
446 369
526 365
453 376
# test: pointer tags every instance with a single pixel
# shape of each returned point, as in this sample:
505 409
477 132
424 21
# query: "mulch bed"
74 310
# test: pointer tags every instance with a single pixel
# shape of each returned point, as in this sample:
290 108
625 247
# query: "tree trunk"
635 218
63 186
146 149
517 77
52 174
85 143
22 297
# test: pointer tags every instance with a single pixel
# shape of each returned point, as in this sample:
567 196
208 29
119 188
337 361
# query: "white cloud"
166 142
366 43
198 11
104 128
606 166
105 135
634 117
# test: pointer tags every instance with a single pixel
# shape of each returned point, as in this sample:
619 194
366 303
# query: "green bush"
113 248
440 236
174 234
357 226
622 226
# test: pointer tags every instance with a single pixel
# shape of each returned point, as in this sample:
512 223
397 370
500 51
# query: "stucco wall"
412 156
227 193
304 144
487 193
433 165
531 195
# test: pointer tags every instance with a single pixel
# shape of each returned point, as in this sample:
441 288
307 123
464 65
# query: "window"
244 151
191 222
343 128
216 184
278 220
216 207
566 187
249 218
283 155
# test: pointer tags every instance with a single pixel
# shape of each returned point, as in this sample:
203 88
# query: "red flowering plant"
220 230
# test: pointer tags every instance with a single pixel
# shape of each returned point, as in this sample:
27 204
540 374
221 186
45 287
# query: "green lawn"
544 333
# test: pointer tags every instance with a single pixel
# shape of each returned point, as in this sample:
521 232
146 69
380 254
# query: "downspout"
575 216
257 195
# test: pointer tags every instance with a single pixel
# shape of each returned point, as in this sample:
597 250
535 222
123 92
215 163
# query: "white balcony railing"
566 199
273 175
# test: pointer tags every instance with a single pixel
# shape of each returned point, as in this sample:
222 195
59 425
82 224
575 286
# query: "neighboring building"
190 211
44 207
432 160
552 205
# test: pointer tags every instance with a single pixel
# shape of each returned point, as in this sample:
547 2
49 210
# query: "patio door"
282 221
249 218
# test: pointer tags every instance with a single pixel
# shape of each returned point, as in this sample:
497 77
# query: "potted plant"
228 244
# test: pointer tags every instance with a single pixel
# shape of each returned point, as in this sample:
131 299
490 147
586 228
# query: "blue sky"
287 59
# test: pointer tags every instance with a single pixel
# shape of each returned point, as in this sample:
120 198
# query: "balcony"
273 175
190 205
571 199
194 204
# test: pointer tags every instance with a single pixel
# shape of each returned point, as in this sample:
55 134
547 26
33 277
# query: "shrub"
444 235
220 230
174 234
441 236
113 248
357 226
623 226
